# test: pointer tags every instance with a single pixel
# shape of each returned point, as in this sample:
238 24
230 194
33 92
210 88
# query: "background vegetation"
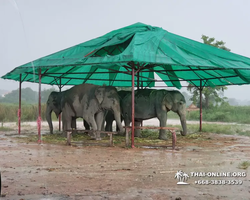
223 112
219 113
29 98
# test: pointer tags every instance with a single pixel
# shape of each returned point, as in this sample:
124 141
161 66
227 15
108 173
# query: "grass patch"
244 165
149 136
223 113
219 129
2 128
50 138
194 136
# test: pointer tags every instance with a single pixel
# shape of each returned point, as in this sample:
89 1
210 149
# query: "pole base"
39 141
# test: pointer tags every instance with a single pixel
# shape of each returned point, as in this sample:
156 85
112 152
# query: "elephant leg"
66 125
117 128
163 122
73 124
86 125
109 123
137 131
103 121
100 124
92 123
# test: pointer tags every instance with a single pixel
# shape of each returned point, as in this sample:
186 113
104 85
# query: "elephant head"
175 101
109 99
53 104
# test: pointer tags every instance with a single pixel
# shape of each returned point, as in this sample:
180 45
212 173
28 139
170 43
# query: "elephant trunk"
117 115
48 118
184 125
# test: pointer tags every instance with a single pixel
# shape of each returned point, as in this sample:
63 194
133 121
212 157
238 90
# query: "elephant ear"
168 101
99 94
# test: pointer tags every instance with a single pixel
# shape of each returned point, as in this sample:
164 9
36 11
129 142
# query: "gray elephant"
110 115
54 103
150 103
87 101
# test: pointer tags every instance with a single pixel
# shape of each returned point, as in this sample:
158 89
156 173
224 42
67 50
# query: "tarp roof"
149 49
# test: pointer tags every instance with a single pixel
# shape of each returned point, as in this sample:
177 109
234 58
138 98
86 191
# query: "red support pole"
39 109
138 81
138 87
133 107
59 117
19 109
141 88
200 106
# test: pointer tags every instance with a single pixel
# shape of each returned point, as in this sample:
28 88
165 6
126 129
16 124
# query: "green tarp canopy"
109 59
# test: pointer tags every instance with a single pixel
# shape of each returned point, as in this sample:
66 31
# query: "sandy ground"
33 171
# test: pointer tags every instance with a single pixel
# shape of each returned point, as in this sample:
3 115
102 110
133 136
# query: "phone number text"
218 182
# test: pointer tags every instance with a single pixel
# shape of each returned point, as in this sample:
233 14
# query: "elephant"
110 115
150 103
88 101
54 104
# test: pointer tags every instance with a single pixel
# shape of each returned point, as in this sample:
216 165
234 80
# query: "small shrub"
6 129
244 165
193 115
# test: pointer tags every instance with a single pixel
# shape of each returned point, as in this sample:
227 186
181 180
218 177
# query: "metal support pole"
39 108
141 88
59 117
200 105
138 87
133 107
19 109
138 80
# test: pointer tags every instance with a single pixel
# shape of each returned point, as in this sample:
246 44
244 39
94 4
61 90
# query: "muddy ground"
50 171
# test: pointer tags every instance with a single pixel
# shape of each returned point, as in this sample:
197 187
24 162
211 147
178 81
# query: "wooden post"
111 143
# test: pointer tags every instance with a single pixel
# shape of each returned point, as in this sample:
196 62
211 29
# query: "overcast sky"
30 29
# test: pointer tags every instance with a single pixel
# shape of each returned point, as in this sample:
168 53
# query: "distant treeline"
222 113
29 99
28 96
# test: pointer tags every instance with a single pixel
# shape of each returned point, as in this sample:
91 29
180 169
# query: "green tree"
45 94
211 95
187 98
28 96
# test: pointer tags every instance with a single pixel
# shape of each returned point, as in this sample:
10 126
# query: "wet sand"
33 171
